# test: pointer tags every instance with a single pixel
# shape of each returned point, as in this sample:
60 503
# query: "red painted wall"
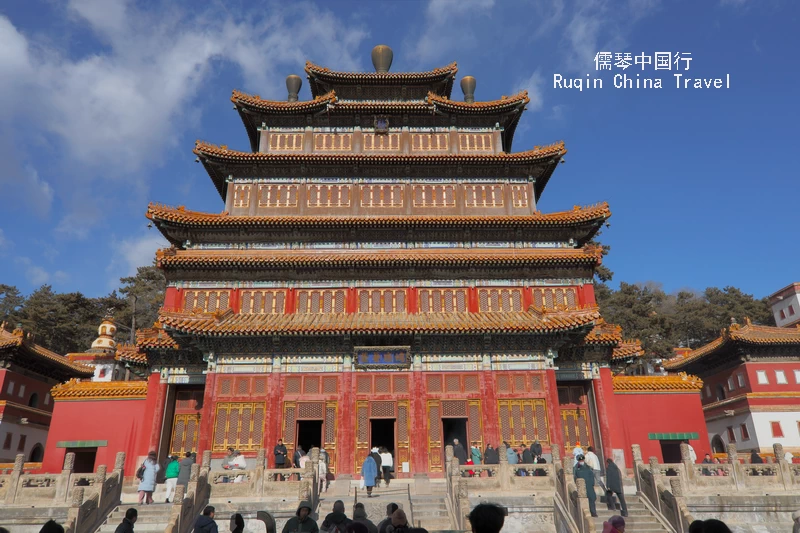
641 414
120 422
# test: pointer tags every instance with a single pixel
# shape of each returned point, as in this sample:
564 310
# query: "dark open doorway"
671 451
84 459
455 428
309 434
382 433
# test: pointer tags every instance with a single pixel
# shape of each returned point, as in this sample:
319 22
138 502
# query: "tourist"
205 522
399 522
511 455
298 453
376 456
336 521
459 452
796 518
615 524
279 451
360 516
237 523
390 509
147 484
51 526
490 457
593 461
576 451
719 471
238 463
756 460
585 473
172 471
369 474
707 461
301 522
470 473
709 526
542 461
356 527
487 518
186 469
126 526
475 453
387 464
536 449
527 456
4 530
323 455
229 458
788 457
614 485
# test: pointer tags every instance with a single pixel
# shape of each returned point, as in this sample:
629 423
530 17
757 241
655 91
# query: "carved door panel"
330 435
475 424
403 453
184 433
362 433
434 436
523 421
575 421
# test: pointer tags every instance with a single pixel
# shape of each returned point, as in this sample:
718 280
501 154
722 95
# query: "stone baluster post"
259 474
119 465
463 502
99 484
784 471
176 510
16 473
206 464
503 469
63 484
736 467
655 471
686 459
582 501
676 487
636 451
74 511
448 456
313 464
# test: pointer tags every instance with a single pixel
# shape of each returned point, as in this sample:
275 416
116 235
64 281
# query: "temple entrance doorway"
309 434
576 424
671 451
382 433
84 459
455 428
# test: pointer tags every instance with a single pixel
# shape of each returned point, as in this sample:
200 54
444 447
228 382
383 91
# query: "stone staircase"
430 510
152 518
31 518
639 518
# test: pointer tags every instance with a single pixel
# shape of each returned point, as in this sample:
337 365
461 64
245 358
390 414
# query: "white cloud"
5 244
35 274
534 84
119 109
132 253
447 27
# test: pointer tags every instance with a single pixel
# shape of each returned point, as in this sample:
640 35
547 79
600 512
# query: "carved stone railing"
504 476
91 505
457 500
190 500
578 506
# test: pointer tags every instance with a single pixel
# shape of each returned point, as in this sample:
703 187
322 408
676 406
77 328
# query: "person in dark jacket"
280 452
375 453
360 517
614 483
336 520
298 453
302 521
186 469
527 456
237 523
126 526
584 472
536 449
459 452
205 522
51 526
541 461
490 456
390 509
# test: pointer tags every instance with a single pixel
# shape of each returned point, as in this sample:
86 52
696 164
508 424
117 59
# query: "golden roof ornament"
382 57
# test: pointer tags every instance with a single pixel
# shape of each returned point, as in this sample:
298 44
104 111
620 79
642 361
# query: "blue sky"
102 100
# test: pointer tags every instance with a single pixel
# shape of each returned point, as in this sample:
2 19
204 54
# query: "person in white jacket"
592 461
387 464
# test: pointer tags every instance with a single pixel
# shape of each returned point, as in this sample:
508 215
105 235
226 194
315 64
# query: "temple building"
751 389
27 373
381 275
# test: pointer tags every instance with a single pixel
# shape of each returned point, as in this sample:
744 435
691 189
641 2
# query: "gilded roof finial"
382 57
293 84
468 84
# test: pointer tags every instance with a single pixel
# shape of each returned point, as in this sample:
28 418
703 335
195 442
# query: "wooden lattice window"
381 143
400 384
430 142
289 142
519 195
382 301
475 142
500 300
333 142
314 301
434 195
261 302
434 383
277 195
523 421
243 427
328 195
206 300
488 195
442 300
241 196
381 196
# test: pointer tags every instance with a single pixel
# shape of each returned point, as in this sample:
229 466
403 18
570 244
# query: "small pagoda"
380 275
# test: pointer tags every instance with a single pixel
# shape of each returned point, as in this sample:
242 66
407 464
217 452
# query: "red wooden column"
156 396
346 430
554 411
606 409
274 416
418 438
491 427
206 436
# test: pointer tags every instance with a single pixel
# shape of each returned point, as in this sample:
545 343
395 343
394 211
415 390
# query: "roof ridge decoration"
519 99
749 334
671 383
312 69
181 215
255 101
99 390
237 325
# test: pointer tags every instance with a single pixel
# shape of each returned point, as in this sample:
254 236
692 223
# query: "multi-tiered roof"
381 176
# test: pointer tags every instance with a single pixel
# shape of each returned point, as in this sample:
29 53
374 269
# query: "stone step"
139 528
